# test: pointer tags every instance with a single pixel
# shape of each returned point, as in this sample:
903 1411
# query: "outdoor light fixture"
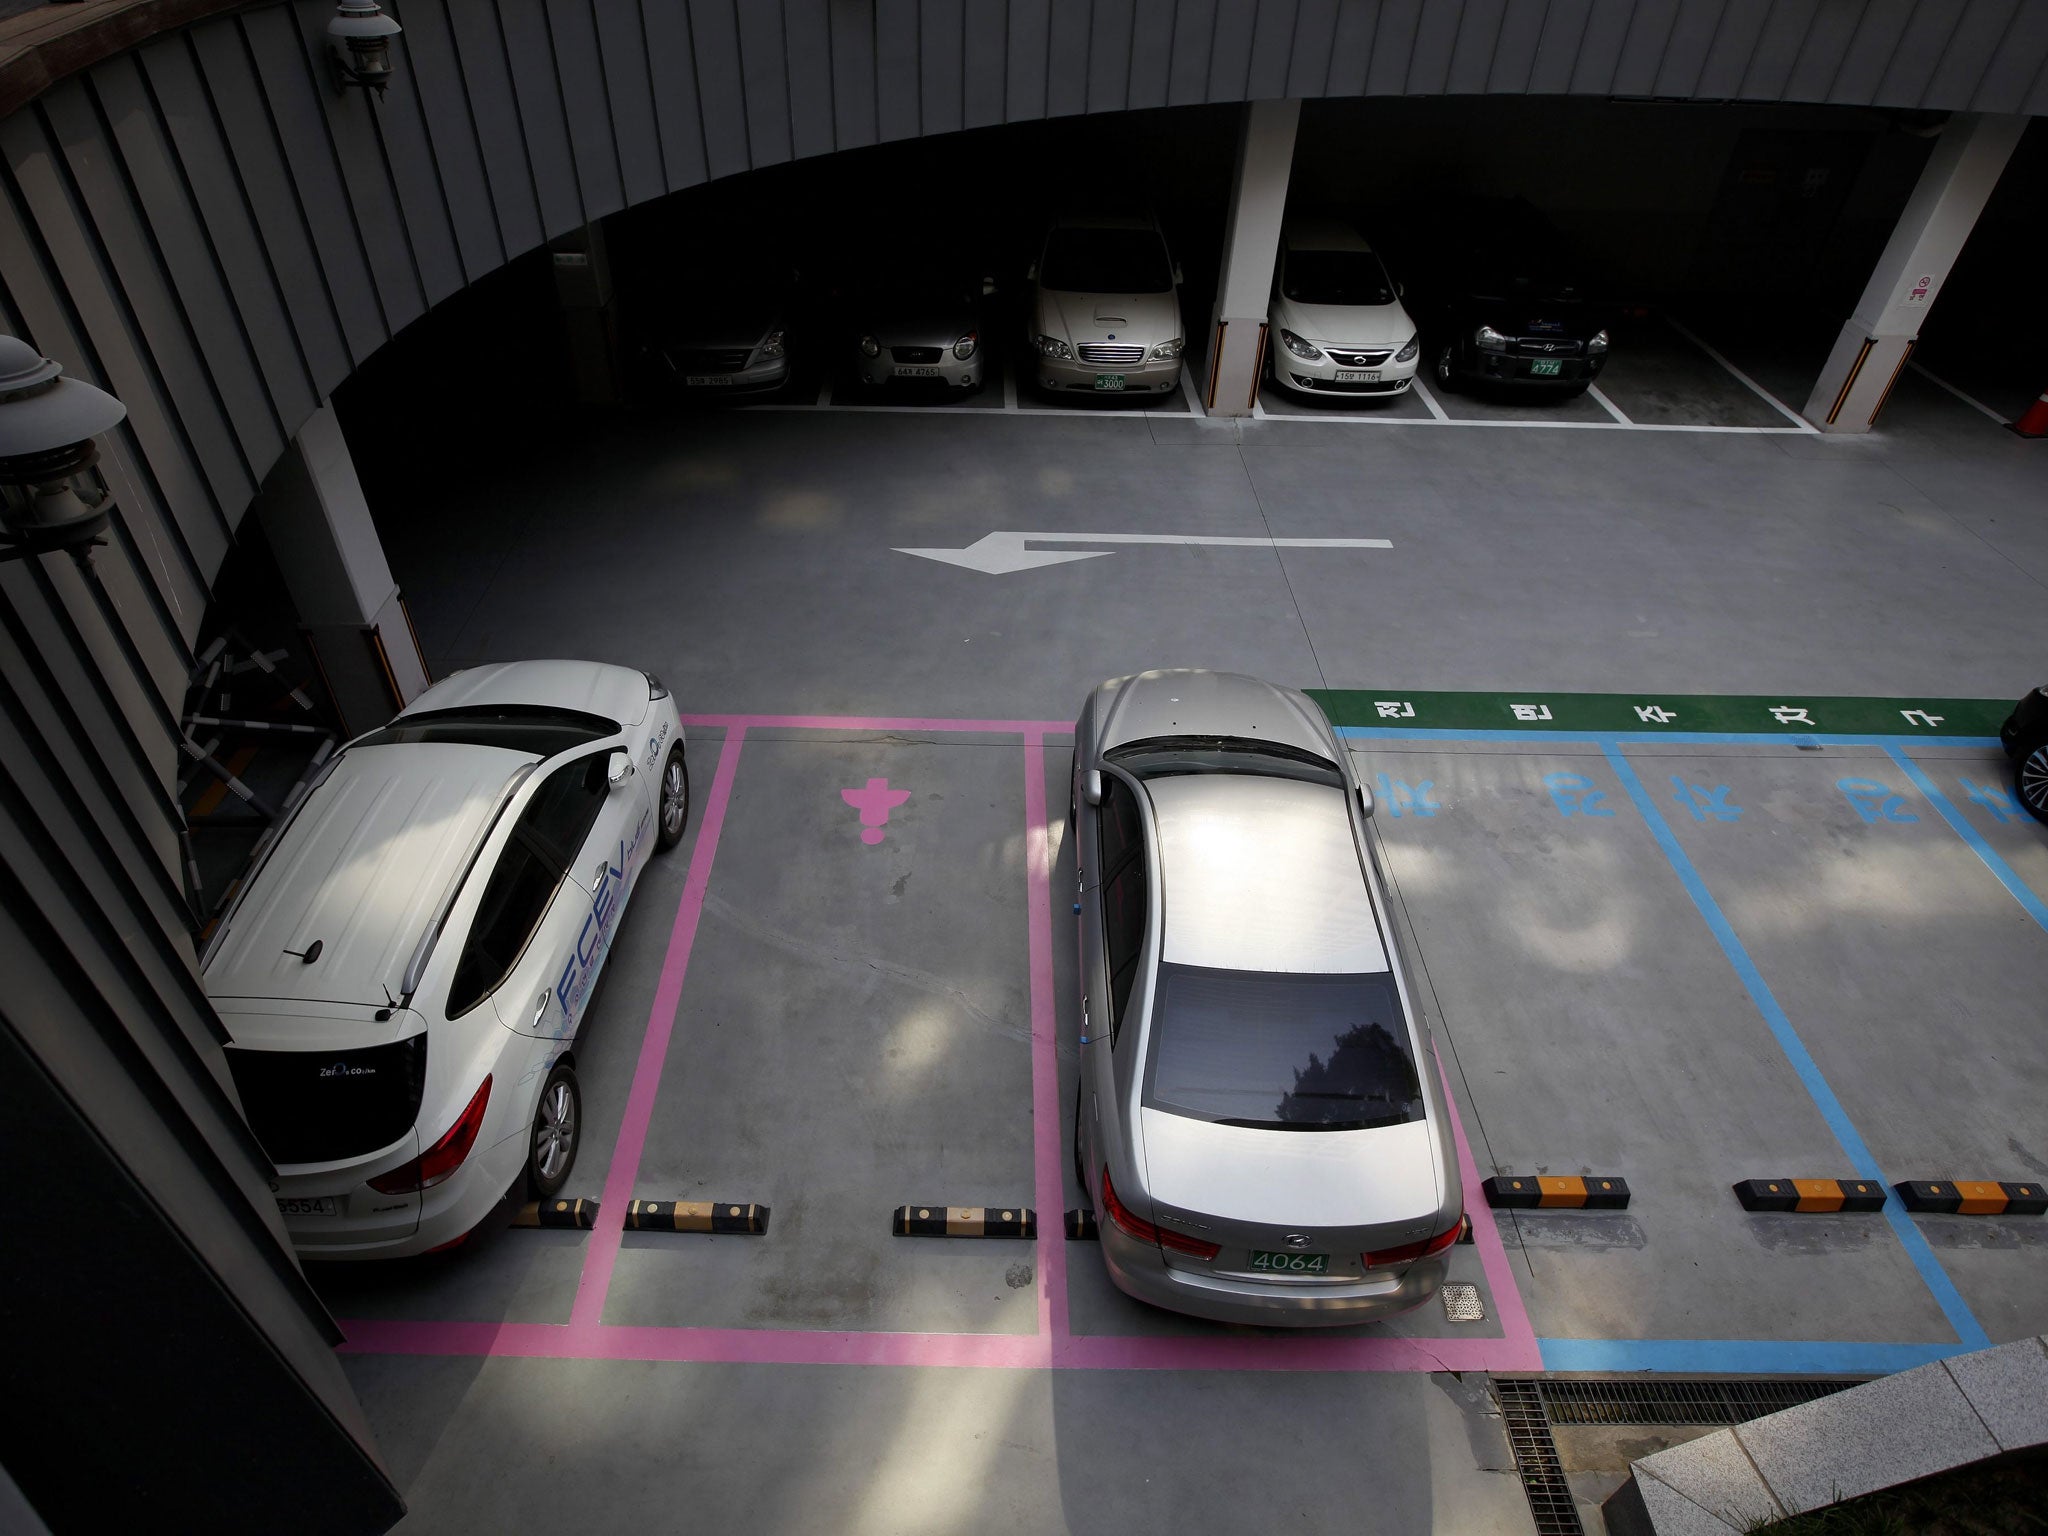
361 34
47 426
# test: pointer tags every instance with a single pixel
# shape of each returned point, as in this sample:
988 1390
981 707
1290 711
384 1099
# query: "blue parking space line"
1953 1307
1684 738
1740 1357
2036 908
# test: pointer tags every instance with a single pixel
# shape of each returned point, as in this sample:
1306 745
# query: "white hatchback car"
404 973
1337 326
1105 308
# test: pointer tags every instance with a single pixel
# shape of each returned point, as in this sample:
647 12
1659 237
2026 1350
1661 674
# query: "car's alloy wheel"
557 1124
675 798
2030 778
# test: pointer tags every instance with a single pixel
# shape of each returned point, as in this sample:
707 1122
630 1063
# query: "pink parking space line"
923 723
1508 1306
605 1238
1045 1066
1302 1352
737 1346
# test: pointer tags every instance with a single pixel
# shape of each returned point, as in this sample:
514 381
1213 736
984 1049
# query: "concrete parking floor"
834 1027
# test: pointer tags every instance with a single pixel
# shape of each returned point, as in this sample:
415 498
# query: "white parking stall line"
1187 389
1009 383
825 391
1966 399
1429 400
1608 405
1797 420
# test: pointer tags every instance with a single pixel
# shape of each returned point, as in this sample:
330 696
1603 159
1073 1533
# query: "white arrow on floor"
999 553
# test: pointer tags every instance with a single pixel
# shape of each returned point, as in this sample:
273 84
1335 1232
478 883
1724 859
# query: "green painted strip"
1646 714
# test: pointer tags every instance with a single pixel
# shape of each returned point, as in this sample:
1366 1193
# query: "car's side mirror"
1365 800
619 769
1031 273
1091 786
1400 290
1177 279
988 286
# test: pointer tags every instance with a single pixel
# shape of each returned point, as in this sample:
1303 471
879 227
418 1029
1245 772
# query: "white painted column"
1251 244
1874 344
318 522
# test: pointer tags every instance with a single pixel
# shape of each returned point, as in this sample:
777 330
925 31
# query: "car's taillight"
444 1156
1408 1253
1133 1225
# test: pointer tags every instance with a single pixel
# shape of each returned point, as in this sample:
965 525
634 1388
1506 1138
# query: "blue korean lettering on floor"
1874 801
1574 795
1704 802
1402 800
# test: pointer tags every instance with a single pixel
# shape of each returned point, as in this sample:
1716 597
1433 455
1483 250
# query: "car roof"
362 867
1323 235
1260 874
591 687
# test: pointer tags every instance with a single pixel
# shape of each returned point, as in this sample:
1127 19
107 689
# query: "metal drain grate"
1712 1402
1543 1481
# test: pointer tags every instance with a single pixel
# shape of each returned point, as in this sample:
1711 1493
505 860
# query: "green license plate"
1291 1263
1109 381
1548 368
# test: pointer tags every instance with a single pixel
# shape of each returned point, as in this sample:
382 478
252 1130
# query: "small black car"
1501 298
2025 739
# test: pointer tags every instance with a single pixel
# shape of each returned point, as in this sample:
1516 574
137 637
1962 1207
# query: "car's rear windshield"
1280 1051
515 727
1080 260
1336 277
1160 756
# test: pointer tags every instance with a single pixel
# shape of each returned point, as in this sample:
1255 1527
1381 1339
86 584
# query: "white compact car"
404 973
1105 308
1337 326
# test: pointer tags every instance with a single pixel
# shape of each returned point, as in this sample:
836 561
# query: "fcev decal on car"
580 969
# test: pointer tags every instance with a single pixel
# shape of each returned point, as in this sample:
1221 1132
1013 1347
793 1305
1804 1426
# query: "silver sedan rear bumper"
1140 1270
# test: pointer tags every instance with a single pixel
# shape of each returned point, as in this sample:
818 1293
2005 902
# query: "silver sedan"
1259 1122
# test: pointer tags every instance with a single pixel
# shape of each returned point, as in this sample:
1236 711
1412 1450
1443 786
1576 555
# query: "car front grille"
714 360
1357 359
1543 346
916 354
1096 352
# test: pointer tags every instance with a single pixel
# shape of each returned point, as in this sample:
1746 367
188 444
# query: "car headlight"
1598 344
772 347
1414 346
964 347
1052 346
1306 351
870 346
1167 351
1487 339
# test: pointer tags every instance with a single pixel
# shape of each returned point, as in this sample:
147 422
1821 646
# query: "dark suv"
2025 739
1500 298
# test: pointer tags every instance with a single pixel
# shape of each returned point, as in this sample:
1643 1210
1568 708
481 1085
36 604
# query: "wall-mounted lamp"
47 426
361 35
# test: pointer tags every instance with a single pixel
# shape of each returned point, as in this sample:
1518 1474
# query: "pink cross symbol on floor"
874 804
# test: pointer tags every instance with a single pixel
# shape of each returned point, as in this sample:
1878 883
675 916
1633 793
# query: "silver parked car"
919 324
1105 308
1259 1121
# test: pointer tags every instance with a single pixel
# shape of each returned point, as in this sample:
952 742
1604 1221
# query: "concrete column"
313 510
583 286
1251 244
1939 216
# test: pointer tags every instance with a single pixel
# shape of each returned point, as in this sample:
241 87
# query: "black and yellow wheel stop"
1578 1192
1973 1197
964 1221
1081 1227
577 1215
1810 1195
736 1218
